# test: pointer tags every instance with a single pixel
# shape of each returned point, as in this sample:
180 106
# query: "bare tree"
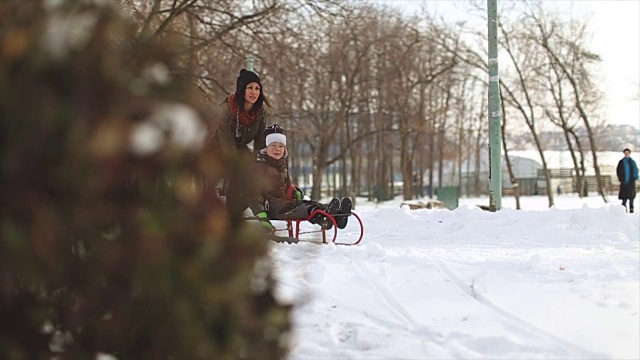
567 49
512 177
563 118
525 58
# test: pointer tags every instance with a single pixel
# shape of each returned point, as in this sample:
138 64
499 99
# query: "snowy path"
470 284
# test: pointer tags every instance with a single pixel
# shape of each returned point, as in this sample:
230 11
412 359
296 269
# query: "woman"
243 117
242 120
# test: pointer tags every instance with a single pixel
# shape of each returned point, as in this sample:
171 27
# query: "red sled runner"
295 230
332 226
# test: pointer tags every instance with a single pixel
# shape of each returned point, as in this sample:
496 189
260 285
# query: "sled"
295 232
331 235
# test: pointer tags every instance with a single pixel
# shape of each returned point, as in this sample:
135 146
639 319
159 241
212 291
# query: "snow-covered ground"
469 284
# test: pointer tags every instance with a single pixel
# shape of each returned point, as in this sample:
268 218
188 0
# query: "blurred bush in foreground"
107 246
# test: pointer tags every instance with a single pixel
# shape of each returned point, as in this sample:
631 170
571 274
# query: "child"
272 202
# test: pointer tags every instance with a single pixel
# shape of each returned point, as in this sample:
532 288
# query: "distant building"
527 168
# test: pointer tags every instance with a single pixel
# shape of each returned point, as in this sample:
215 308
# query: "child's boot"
332 208
317 218
343 213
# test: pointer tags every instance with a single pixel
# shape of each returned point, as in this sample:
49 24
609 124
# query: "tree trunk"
512 178
406 167
578 104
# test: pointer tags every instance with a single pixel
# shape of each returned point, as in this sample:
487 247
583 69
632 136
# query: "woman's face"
251 93
276 150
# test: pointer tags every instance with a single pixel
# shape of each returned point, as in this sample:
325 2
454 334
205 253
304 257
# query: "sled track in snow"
389 300
519 323
399 311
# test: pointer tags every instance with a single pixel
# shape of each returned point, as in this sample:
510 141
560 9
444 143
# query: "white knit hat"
276 137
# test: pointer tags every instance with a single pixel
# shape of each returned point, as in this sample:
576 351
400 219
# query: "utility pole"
495 150
250 63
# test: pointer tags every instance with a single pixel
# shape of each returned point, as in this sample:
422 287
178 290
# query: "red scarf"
245 118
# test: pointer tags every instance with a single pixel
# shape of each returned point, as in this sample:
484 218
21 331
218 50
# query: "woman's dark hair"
245 77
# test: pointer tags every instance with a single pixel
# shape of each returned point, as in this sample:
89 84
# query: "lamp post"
250 63
495 151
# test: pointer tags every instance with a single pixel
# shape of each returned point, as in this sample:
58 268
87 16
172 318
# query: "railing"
556 173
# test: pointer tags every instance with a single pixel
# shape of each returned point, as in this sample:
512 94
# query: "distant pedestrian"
627 172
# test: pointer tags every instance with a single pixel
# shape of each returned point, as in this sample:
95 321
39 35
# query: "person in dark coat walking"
627 172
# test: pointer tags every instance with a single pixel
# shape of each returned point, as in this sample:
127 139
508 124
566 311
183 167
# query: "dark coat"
627 175
225 133
274 175
272 184
224 138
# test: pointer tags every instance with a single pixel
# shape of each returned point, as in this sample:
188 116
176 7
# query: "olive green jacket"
226 131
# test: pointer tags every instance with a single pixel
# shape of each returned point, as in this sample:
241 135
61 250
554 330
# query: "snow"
439 284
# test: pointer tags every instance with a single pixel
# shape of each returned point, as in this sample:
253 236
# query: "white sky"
615 25
539 283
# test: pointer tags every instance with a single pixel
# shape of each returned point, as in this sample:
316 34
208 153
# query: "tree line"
371 96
